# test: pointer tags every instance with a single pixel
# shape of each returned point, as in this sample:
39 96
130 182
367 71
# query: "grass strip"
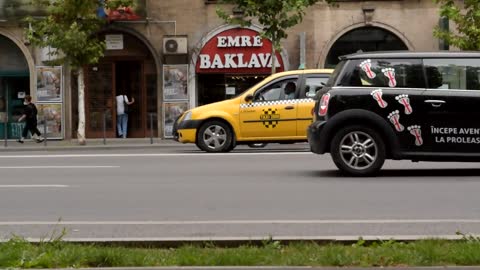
18 253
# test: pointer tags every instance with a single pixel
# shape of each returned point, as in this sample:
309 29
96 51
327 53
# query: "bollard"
104 128
151 128
44 130
5 132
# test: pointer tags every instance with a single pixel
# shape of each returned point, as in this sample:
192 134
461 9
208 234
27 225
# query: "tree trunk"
81 108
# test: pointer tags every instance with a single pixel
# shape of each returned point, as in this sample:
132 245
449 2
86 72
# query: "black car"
419 106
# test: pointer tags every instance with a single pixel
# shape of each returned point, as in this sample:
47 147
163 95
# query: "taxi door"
271 114
305 103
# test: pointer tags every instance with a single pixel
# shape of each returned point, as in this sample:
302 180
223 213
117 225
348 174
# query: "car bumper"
186 131
316 139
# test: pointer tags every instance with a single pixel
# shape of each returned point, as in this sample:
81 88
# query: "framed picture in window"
171 111
175 82
49 84
50 115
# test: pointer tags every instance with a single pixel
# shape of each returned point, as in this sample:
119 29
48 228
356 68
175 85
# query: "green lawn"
18 253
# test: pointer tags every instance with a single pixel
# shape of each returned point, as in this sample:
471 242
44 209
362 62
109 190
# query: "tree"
71 28
467 21
276 16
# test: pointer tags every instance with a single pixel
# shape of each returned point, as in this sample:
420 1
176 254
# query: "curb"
92 147
168 242
66 148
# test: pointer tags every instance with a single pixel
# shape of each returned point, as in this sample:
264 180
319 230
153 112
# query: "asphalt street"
180 193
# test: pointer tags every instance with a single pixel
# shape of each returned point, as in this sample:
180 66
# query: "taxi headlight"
188 116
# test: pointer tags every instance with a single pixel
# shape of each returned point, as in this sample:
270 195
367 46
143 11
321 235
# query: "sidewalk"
111 143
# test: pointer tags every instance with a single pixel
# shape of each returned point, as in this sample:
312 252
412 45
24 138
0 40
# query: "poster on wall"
49 84
171 111
50 115
175 85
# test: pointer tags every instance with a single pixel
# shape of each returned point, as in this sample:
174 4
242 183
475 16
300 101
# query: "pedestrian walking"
122 114
30 116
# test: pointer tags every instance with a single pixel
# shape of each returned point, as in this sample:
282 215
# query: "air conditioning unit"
175 45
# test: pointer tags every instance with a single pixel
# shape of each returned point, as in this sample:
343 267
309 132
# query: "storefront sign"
230 91
238 50
114 42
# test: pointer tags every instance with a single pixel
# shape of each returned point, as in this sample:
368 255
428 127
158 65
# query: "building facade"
171 56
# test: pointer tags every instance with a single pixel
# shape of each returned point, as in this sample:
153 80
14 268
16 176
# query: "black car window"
336 73
385 73
279 90
453 73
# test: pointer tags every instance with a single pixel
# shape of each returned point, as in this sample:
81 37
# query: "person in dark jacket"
30 116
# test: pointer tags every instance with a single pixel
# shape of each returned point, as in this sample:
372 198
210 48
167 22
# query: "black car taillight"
323 106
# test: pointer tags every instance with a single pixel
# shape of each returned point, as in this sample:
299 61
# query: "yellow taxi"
276 110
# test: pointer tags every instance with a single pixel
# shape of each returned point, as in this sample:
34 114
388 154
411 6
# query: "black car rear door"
453 105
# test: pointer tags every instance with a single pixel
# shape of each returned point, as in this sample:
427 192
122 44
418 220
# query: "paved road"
180 193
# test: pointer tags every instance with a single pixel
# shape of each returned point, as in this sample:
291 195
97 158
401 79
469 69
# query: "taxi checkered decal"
275 102
270 117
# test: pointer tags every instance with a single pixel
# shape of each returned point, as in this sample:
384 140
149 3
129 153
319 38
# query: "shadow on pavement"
404 173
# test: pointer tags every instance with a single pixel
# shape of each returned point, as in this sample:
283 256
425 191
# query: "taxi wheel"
358 150
214 137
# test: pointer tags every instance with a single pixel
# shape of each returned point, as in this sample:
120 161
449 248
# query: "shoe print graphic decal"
394 118
390 74
366 66
416 131
405 101
377 95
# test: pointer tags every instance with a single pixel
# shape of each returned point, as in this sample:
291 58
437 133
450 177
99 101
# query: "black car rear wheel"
358 150
214 137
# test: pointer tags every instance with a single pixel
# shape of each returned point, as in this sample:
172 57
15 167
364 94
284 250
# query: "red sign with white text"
238 51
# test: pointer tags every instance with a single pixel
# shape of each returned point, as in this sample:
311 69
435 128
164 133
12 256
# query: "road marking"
157 155
58 167
33 186
244 222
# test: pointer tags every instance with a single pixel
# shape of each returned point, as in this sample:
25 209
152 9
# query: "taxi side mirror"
249 98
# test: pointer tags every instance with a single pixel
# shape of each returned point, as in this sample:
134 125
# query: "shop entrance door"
105 81
99 101
128 81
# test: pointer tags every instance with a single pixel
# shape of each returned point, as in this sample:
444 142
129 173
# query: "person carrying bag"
122 114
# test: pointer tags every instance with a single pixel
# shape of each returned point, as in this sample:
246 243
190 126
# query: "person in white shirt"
122 114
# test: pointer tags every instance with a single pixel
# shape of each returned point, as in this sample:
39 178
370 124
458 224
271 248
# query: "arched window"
12 60
364 39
